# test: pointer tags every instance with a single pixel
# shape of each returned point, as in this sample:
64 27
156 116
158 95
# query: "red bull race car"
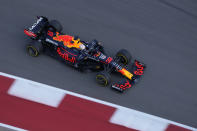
47 38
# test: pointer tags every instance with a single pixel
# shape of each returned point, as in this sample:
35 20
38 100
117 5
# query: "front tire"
103 78
124 56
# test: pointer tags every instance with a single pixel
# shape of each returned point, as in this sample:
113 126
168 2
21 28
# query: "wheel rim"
32 51
101 80
124 59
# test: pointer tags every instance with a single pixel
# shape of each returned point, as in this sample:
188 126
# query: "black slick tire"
103 78
125 56
56 25
34 49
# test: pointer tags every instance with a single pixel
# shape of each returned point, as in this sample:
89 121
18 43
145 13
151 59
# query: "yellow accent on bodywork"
76 44
126 73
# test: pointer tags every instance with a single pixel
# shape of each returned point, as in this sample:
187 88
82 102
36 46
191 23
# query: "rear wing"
35 30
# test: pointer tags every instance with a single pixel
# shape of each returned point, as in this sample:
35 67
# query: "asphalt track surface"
161 33
5 129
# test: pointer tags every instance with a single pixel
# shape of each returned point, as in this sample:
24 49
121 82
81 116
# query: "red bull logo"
65 55
140 69
122 86
66 39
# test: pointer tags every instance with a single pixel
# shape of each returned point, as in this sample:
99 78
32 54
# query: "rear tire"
124 55
103 78
56 25
34 49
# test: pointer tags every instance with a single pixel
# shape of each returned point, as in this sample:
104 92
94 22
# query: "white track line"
133 120
11 127
102 102
33 92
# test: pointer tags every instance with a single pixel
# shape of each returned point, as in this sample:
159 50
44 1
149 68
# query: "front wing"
137 70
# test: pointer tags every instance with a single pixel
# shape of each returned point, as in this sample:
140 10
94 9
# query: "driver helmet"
76 38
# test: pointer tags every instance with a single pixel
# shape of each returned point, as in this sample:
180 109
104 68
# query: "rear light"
29 33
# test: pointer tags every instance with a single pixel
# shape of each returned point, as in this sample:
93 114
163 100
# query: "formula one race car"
48 38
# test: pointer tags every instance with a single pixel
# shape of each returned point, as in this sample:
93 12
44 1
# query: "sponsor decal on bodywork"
102 56
35 24
122 86
52 42
66 55
140 69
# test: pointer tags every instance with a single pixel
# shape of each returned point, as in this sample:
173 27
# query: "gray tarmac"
161 33
6 129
